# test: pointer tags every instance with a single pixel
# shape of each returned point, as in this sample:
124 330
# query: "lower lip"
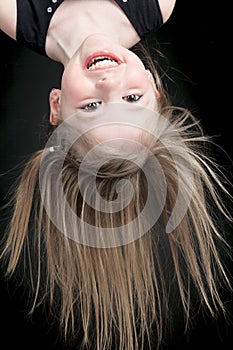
101 53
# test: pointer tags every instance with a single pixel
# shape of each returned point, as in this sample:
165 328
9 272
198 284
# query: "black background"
196 46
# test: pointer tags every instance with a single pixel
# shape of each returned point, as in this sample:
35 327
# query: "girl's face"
106 88
102 72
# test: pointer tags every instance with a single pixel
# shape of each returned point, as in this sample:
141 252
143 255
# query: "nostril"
101 81
107 82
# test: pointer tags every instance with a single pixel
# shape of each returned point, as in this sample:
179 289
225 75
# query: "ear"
55 108
152 80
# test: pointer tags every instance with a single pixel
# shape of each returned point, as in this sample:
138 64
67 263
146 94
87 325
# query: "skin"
82 90
88 91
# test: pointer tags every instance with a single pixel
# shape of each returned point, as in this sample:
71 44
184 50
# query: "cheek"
137 78
73 90
136 70
74 84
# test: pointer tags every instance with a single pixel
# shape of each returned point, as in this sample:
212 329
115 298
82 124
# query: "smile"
101 61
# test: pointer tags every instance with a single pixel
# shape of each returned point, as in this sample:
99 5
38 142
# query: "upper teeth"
101 61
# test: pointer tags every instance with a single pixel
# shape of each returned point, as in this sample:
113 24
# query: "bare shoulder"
166 7
8 17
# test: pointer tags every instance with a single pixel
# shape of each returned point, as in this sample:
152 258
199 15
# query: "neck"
74 21
62 51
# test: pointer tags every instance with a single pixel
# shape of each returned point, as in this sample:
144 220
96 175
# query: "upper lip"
103 54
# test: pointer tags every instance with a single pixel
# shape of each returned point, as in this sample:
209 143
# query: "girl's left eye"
91 107
132 98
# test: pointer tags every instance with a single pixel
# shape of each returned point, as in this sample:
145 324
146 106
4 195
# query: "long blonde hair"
120 296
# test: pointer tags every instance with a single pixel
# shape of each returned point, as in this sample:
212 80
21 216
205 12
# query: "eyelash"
88 107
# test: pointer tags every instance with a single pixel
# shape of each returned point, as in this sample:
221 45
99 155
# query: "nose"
108 82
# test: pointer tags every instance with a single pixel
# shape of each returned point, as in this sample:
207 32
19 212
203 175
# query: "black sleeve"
145 15
33 18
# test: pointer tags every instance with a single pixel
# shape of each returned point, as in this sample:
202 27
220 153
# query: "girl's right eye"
91 107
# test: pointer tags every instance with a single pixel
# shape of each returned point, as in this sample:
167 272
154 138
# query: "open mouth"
101 62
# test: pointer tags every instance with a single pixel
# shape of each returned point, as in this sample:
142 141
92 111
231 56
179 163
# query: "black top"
34 16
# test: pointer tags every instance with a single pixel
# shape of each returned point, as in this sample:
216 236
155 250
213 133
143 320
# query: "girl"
109 272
